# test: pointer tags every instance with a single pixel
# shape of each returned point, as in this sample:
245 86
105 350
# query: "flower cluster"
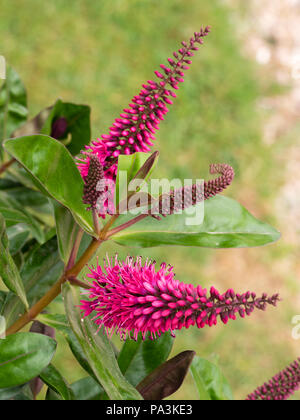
281 386
188 196
134 130
132 298
92 183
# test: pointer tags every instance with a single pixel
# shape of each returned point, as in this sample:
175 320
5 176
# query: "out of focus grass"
99 53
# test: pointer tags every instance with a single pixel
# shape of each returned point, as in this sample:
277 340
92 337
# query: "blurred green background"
99 53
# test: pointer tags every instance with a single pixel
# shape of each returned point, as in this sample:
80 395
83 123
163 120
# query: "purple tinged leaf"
167 378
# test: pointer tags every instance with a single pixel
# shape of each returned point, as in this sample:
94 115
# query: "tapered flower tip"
281 386
130 297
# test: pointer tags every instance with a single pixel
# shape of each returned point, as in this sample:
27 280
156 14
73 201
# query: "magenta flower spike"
131 298
134 131
281 386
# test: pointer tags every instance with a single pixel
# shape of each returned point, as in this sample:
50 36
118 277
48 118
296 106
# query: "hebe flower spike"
188 196
134 130
281 386
92 190
132 298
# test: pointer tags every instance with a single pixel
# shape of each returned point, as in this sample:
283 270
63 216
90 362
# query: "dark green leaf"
210 381
78 132
37 327
8 270
17 393
66 229
52 395
23 356
226 225
41 270
54 171
18 235
53 378
167 378
139 358
13 103
98 351
13 215
87 389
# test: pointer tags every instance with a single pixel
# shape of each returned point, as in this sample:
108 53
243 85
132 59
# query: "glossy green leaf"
8 270
98 351
13 104
14 215
23 356
25 199
78 132
210 381
67 230
226 224
41 270
53 378
18 393
167 378
17 235
87 389
54 171
138 359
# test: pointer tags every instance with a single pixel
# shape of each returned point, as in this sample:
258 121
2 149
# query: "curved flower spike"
131 298
134 130
188 196
281 386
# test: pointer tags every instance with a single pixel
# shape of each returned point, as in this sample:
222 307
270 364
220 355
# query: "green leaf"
53 378
98 351
226 224
87 389
3 296
66 229
61 324
210 381
17 393
41 270
8 270
23 198
13 103
54 171
52 395
14 215
18 235
138 359
78 133
134 166
23 356
167 378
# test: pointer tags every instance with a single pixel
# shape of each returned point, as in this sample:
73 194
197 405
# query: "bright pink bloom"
134 130
281 386
130 297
